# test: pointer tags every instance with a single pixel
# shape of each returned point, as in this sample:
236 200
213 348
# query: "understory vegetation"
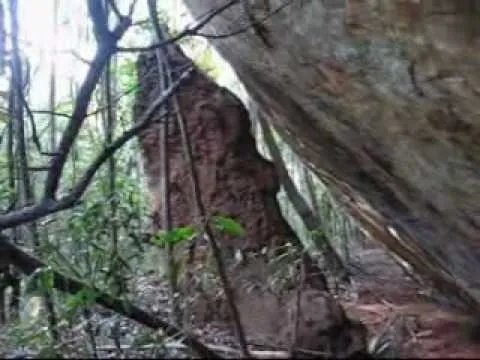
81 273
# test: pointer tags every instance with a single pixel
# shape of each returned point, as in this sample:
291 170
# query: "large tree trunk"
380 98
236 181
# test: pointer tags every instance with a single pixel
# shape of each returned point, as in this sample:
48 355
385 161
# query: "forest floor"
394 308
389 302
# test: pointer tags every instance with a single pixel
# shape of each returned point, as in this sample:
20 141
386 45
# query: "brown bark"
380 98
232 180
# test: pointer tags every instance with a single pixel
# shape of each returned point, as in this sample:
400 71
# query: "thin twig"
114 7
132 8
185 32
201 213
25 104
50 206
48 112
246 27
163 68
77 56
298 306
106 48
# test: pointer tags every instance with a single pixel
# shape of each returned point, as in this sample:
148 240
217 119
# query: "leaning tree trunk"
312 220
380 98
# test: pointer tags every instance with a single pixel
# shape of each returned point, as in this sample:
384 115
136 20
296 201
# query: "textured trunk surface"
381 99
236 181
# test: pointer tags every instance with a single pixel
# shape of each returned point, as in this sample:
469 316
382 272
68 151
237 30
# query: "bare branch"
114 7
186 32
105 50
142 124
132 8
19 92
50 206
102 108
165 212
38 168
79 57
31 117
98 14
201 214
246 27
48 112
141 22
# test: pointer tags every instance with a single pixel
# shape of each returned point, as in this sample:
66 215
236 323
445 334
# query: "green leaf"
47 279
228 225
175 236
84 297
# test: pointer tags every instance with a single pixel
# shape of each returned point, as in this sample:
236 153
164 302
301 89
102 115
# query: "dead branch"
186 32
35 138
114 7
48 112
50 206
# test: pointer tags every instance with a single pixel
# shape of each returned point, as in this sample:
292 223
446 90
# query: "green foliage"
127 75
27 334
179 235
83 246
228 225
175 236
83 298
207 63
40 281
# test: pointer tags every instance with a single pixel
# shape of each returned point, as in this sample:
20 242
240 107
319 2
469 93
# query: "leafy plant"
175 236
84 297
179 235
228 225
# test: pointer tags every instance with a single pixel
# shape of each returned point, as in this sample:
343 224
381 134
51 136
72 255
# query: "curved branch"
185 32
50 206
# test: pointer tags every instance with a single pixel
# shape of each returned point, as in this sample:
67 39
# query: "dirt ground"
390 303
393 307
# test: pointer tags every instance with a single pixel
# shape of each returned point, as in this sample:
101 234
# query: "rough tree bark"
380 98
235 181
